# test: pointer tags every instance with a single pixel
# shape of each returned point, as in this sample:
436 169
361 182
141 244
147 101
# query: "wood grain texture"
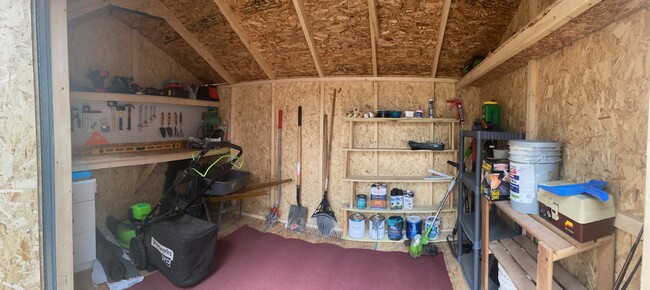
473 28
274 30
162 35
407 36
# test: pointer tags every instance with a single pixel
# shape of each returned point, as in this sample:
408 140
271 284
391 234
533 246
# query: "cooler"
581 216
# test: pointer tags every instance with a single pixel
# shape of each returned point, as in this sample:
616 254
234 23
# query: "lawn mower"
167 237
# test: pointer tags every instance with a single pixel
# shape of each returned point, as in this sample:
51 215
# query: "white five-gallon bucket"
531 162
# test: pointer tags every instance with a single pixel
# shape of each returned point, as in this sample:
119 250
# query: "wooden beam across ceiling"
156 8
441 35
234 22
558 14
80 8
300 10
374 33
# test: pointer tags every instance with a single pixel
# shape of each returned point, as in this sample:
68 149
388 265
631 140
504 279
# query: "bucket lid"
413 218
534 144
357 217
490 103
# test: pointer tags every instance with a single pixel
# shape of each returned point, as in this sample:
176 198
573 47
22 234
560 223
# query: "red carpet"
249 259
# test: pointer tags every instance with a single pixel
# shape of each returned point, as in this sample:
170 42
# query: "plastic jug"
492 113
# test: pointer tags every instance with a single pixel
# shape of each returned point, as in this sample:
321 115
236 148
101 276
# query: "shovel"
163 132
297 213
169 125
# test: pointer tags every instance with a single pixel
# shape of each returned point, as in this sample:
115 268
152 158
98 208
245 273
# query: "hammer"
120 109
128 123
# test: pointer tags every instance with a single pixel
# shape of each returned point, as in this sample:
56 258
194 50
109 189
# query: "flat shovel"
163 132
297 213
169 125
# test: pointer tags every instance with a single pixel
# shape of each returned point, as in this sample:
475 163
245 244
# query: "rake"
325 218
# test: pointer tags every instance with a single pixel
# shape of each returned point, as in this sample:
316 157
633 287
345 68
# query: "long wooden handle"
329 140
298 169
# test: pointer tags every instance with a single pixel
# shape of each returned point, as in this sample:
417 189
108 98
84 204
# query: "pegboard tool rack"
93 162
419 209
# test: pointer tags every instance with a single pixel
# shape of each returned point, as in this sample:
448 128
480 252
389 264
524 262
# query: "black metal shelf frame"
469 224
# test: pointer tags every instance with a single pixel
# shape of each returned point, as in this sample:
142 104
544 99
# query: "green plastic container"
491 113
140 210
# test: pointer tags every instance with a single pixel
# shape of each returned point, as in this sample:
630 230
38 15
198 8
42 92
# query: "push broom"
325 218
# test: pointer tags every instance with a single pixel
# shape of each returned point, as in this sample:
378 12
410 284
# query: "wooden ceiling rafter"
158 9
374 33
300 10
235 24
80 8
441 34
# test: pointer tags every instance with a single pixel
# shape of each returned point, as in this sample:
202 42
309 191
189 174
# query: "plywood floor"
229 224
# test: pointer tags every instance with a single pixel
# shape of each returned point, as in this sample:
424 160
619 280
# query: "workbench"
530 265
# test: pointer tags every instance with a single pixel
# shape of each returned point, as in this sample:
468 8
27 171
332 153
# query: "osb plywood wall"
596 103
106 43
19 196
592 97
528 9
254 118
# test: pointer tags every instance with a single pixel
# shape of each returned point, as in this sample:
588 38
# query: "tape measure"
127 149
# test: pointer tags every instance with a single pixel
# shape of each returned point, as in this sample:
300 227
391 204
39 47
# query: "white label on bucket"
521 183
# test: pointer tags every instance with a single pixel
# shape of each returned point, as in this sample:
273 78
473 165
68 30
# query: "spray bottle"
430 108
459 110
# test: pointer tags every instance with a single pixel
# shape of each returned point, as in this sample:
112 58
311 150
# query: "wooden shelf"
93 162
405 179
401 150
561 245
518 257
366 238
135 98
418 209
401 120
559 25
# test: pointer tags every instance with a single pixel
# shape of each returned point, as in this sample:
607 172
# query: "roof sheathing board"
408 30
164 37
275 31
597 17
341 34
474 28
204 20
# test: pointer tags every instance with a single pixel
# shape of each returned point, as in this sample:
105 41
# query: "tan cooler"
582 216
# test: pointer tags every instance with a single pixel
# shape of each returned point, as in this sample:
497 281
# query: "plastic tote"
531 162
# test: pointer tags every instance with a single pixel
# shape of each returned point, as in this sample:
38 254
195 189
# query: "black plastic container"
229 183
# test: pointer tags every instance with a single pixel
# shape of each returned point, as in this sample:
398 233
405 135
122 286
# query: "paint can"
409 200
395 227
396 199
435 230
413 226
357 226
378 196
376 226
361 201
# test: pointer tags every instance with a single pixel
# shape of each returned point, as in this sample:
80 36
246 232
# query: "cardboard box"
495 184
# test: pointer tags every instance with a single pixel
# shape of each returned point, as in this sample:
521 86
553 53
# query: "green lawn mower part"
125 233
140 210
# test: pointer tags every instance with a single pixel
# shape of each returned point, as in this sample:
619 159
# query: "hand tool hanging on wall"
86 109
181 116
112 105
297 213
153 116
145 123
325 218
163 132
120 109
273 214
169 125
140 127
175 124
75 118
128 121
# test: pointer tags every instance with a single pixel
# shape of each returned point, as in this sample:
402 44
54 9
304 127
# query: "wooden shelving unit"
367 238
418 209
531 266
93 162
136 98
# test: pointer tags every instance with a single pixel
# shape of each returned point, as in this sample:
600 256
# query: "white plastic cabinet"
83 223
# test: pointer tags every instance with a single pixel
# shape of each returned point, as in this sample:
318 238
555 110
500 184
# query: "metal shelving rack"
469 224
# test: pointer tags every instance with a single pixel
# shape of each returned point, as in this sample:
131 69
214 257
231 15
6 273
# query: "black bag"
182 249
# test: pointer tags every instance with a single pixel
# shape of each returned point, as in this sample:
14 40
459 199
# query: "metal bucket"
395 228
357 226
377 226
